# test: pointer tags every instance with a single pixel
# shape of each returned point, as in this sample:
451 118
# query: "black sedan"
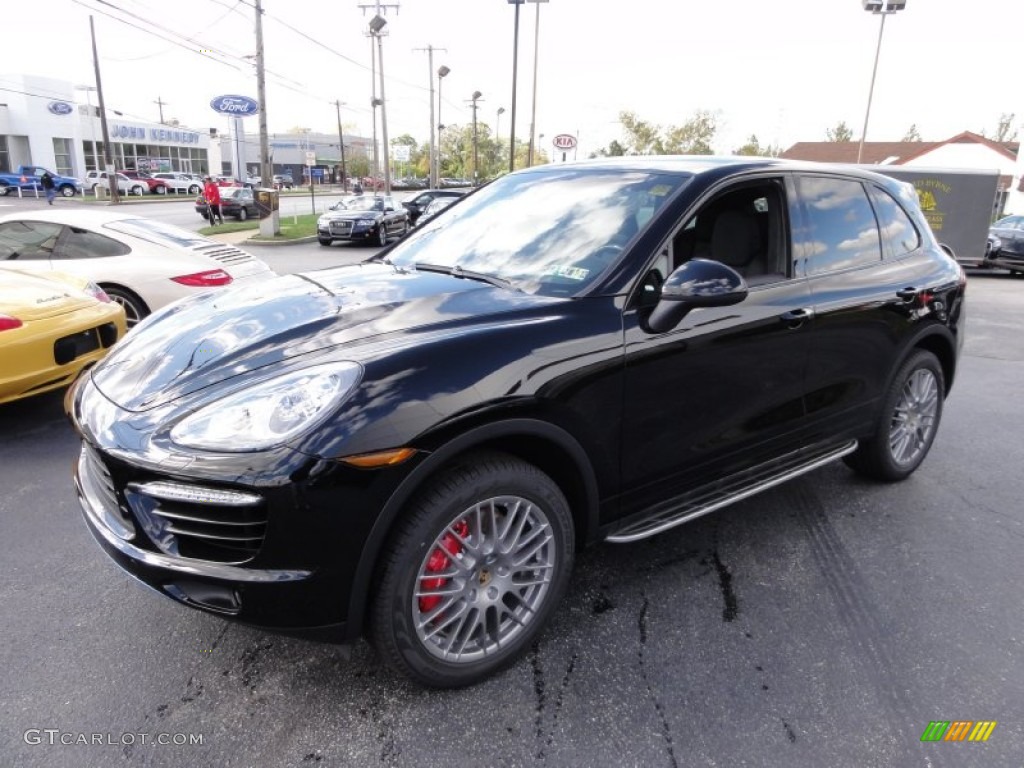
418 204
1006 244
237 202
367 219
414 447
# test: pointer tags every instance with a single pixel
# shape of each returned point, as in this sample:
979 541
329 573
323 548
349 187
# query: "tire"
382 234
324 241
160 190
907 423
194 189
242 214
135 309
473 522
136 191
5 190
67 190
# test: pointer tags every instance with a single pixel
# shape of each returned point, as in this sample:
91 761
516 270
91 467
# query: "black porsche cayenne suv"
413 448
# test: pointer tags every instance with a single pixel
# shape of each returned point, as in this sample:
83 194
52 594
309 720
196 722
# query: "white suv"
180 182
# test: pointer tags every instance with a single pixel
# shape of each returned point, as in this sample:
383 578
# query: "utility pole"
431 174
266 172
533 111
476 165
341 144
515 74
160 103
108 156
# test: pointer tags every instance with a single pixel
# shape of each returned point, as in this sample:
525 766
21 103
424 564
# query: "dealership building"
54 124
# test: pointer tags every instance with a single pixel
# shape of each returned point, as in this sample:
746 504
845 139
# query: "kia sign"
60 108
235 106
564 141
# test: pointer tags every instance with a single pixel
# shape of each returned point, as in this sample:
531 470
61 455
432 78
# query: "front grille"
201 523
101 492
340 227
228 255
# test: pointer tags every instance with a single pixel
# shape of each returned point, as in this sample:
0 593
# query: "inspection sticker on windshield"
573 273
659 190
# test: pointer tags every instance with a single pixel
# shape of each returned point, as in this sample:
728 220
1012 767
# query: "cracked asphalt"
825 622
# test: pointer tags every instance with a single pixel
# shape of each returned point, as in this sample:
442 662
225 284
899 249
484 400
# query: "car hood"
351 215
223 334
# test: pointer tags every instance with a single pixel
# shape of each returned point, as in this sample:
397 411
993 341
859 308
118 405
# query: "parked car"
415 446
125 185
181 182
140 263
364 219
51 327
1006 245
29 178
235 201
283 180
155 186
417 205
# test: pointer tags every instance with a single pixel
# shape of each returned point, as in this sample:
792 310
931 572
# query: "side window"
83 244
899 234
743 228
839 230
25 240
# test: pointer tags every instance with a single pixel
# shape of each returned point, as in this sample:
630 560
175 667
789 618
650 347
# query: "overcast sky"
785 70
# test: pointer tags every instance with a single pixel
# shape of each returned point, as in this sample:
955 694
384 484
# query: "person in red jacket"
211 192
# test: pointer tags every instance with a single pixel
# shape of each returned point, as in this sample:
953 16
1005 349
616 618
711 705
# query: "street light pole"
881 8
533 111
515 74
442 72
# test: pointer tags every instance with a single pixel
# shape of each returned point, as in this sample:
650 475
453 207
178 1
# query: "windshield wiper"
469 274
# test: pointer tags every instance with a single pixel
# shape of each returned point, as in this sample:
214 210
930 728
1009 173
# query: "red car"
156 186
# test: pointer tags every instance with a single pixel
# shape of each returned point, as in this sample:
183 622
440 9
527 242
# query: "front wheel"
382 234
324 240
477 566
161 190
909 419
242 214
67 191
136 191
194 189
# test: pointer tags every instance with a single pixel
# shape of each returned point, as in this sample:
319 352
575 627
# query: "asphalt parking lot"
823 623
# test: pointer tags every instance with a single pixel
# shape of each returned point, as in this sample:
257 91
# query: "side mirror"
697 283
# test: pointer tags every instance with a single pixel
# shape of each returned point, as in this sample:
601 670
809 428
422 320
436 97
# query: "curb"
277 243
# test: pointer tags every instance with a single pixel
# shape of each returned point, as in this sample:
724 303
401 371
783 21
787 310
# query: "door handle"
907 294
797 317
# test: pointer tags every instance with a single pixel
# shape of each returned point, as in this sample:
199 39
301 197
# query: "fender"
390 513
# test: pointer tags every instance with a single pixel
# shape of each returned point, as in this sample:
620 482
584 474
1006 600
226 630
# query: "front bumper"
334 231
296 571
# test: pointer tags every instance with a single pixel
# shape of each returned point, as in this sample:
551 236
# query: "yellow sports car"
51 327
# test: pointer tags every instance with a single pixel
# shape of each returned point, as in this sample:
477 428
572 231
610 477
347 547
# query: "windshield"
550 233
365 204
158 232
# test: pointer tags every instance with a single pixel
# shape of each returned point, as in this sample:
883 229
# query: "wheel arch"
940 343
548 447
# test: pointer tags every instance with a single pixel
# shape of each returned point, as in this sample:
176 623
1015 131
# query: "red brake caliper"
439 561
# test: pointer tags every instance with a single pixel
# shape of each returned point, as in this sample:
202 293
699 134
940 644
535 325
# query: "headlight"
995 242
365 222
270 413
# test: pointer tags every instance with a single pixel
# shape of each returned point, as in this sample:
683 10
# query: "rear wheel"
907 423
136 191
67 190
194 189
242 214
475 569
135 309
160 190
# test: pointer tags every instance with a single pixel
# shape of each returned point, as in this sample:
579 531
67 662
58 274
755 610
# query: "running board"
719 494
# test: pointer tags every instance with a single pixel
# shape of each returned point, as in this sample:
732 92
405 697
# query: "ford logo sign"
237 106
60 108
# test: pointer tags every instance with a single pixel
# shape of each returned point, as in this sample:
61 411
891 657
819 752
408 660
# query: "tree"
692 137
912 134
841 132
1003 129
614 149
642 137
753 147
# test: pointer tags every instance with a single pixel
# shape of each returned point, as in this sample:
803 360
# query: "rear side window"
28 240
899 235
83 244
839 230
